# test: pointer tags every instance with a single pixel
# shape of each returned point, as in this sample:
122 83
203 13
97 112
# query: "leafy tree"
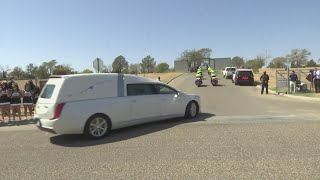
17 72
162 67
202 54
50 65
62 70
42 72
120 65
134 68
299 57
311 63
293 65
256 63
107 69
185 56
278 62
86 71
31 70
148 64
195 57
237 61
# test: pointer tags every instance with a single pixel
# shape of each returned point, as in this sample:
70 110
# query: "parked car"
225 72
94 104
243 76
230 72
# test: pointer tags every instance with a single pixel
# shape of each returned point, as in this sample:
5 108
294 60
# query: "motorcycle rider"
199 70
199 75
209 70
213 74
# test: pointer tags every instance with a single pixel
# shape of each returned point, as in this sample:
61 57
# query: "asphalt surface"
240 134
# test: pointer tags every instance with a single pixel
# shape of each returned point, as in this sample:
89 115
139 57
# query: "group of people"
315 78
12 97
293 78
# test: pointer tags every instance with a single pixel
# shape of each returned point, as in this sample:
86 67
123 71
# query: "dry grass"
164 77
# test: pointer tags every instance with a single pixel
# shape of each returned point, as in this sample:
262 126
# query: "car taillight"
252 77
58 111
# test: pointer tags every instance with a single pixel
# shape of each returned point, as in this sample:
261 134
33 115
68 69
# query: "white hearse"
94 104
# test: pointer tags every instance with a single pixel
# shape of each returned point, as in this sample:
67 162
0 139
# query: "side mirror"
178 92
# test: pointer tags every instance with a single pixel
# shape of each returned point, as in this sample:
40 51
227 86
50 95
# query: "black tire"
102 118
190 111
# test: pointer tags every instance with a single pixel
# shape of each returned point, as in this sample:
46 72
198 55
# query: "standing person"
12 83
316 80
264 82
16 102
27 101
5 101
293 81
36 94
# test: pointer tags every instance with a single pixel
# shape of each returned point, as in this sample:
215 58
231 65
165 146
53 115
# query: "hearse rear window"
47 91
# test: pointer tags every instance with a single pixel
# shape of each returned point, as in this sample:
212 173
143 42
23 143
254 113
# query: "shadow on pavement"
203 85
124 133
256 83
18 123
219 85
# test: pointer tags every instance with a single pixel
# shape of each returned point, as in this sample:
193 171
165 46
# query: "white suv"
228 72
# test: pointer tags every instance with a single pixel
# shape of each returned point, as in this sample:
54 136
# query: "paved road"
240 135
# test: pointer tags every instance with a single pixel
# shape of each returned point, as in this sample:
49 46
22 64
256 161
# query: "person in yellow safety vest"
213 74
199 70
209 70
198 75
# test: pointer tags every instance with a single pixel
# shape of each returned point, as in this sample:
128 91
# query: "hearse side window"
162 89
47 91
140 89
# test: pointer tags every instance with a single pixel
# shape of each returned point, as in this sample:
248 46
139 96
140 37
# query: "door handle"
134 101
163 99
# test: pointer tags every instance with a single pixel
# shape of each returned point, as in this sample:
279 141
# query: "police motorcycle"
214 80
198 80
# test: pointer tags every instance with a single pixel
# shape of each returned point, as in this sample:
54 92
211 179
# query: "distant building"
215 63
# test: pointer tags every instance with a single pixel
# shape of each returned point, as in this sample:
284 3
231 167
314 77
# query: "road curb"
175 78
293 96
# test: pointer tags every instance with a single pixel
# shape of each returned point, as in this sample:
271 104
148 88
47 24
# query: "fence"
282 79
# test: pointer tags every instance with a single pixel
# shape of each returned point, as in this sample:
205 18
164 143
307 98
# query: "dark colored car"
244 76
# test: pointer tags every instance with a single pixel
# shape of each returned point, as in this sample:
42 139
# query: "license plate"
245 77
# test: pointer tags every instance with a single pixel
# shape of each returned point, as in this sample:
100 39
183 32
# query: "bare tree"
4 71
